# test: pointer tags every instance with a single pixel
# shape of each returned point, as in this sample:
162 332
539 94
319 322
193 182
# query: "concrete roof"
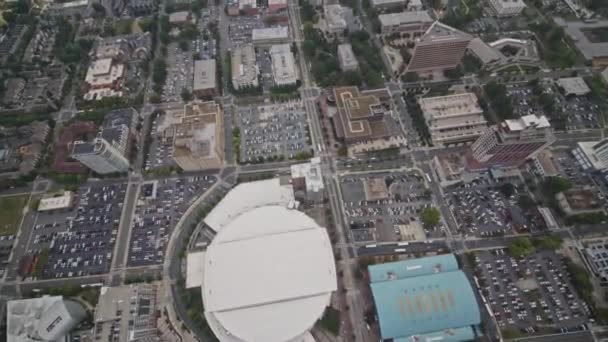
527 121
268 275
59 202
413 268
204 74
574 85
404 18
311 171
247 196
42 319
575 29
279 32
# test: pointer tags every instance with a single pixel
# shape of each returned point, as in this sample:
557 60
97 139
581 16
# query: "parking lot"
572 112
179 72
531 295
80 241
386 206
160 153
273 132
240 28
160 206
206 45
481 209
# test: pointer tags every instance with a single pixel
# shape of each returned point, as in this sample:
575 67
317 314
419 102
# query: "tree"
521 247
554 185
453 74
507 189
430 216
186 95
99 10
410 77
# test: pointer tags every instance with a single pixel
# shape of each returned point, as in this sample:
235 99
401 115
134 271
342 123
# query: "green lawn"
11 210
331 321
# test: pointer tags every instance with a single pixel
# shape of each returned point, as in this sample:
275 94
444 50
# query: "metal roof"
413 268
448 335
426 304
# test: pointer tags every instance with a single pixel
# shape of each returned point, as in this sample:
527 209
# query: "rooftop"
311 171
204 74
42 319
574 85
277 295
527 122
423 296
284 70
246 196
394 19
278 32
450 105
579 32
59 202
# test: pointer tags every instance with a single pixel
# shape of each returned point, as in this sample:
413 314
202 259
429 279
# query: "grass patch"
331 321
12 211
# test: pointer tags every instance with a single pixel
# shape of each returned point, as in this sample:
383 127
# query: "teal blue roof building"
427 298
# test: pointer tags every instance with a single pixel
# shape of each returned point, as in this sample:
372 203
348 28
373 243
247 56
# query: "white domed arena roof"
268 276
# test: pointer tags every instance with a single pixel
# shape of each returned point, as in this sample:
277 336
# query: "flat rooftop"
204 74
450 106
395 19
574 85
582 35
279 32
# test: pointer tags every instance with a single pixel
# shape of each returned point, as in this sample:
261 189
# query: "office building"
441 47
197 134
100 156
592 154
584 34
46 319
596 254
507 8
307 181
573 86
205 82
454 118
360 115
424 299
579 201
63 161
337 18
347 59
140 8
276 5
265 37
126 313
284 70
104 78
180 18
124 48
60 202
244 67
510 143
410 24
248 7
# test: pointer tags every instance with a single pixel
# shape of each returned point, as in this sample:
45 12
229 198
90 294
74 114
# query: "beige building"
205 83
579 201
244 68
441 47
412 23
346 57
197 133
104 79
453 118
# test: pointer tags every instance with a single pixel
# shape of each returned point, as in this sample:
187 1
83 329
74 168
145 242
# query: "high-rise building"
100 156
510 143
441 47
592 154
